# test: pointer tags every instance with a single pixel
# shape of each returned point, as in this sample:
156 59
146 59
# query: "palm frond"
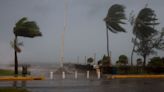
21 21
26 28
145 22
114 18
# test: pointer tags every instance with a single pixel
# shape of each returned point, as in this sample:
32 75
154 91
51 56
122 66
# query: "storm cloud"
85 34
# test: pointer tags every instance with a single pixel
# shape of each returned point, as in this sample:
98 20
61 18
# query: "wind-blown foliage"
24 28
114 20
147 36
145 22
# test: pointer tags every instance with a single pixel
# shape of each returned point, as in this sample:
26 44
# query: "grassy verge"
13 90
6 72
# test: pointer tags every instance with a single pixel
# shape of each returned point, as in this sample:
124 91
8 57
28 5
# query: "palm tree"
144 31
113 20
24 28
90 60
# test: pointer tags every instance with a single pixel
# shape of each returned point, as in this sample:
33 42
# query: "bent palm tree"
24 28
144 31
113 20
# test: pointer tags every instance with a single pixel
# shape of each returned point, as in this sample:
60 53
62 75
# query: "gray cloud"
85 34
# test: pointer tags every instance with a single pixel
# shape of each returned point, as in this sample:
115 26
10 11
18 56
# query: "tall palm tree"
144 31
24 28
113 20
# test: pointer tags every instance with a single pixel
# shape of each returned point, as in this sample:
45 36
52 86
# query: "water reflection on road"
93 85
82 84
115 85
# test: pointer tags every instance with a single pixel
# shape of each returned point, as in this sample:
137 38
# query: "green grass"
13 90
6 72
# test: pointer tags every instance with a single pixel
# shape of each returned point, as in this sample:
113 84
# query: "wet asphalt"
90 85
82 84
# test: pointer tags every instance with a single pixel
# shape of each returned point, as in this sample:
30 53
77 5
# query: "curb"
12 78
133 76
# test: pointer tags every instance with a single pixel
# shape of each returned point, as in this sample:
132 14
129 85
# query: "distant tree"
99 62
113 20
156 62
163 59
123 60
139 62
90 60
104 61
24 28
147 38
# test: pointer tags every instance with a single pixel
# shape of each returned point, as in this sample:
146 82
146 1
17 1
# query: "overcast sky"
85 34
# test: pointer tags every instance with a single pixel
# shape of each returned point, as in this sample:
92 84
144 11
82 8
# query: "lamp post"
63 33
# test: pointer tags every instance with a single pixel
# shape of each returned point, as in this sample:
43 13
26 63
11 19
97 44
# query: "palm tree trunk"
133 51
108 45
15 56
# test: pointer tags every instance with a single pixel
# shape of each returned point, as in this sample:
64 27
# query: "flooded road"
93 85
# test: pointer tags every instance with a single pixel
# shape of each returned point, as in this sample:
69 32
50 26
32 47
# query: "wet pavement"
92 85
70 84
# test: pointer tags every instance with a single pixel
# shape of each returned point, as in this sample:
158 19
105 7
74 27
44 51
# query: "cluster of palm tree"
147 38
